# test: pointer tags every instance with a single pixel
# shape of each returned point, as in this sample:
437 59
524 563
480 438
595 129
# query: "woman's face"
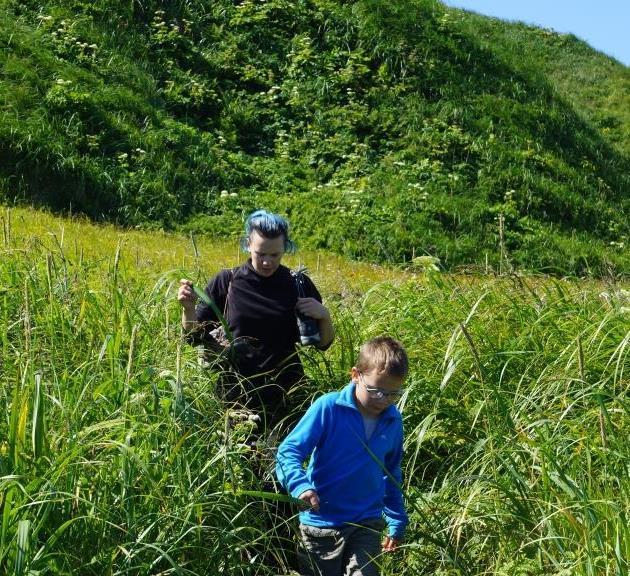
266 253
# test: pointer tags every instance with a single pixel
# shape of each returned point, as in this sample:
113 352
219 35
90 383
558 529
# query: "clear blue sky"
604 24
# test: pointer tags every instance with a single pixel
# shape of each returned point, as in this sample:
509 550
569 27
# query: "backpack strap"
227 294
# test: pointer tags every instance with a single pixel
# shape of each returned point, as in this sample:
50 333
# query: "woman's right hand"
186 295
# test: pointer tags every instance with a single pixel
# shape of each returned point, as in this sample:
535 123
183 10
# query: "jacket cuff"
396 531
300 489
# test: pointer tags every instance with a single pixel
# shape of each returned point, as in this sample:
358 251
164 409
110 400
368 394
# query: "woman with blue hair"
259 300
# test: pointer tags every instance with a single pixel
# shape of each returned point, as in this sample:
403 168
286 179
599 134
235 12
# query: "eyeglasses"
378 393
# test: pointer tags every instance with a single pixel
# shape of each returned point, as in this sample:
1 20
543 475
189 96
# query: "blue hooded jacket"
356 479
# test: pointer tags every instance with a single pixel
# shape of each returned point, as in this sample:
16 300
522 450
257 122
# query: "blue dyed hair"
268 225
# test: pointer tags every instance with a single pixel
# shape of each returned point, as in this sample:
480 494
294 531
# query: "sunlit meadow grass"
115 457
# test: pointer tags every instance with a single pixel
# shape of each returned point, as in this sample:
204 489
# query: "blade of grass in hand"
209 302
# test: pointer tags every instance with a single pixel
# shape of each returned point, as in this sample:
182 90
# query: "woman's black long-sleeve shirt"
258 307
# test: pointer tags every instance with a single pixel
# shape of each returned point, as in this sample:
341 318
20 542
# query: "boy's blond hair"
384 355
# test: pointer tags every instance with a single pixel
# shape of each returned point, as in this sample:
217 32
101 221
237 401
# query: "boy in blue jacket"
352 485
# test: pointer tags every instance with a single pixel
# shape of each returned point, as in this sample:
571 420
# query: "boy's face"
370 385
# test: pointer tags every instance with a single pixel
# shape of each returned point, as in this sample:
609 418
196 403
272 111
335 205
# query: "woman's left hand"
313 308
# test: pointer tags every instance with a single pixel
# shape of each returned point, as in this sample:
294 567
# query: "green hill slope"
597 86
382 130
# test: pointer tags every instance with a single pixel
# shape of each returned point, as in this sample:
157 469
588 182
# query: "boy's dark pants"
352 550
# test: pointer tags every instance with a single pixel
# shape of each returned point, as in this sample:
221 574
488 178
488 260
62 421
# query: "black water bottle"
309 330
307 326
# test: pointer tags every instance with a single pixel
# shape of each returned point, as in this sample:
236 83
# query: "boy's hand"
390 544
310 498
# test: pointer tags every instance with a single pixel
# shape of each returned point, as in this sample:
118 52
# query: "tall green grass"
115 456
517 438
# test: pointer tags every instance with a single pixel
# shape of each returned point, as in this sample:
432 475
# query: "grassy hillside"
384 130
115 457
596 85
